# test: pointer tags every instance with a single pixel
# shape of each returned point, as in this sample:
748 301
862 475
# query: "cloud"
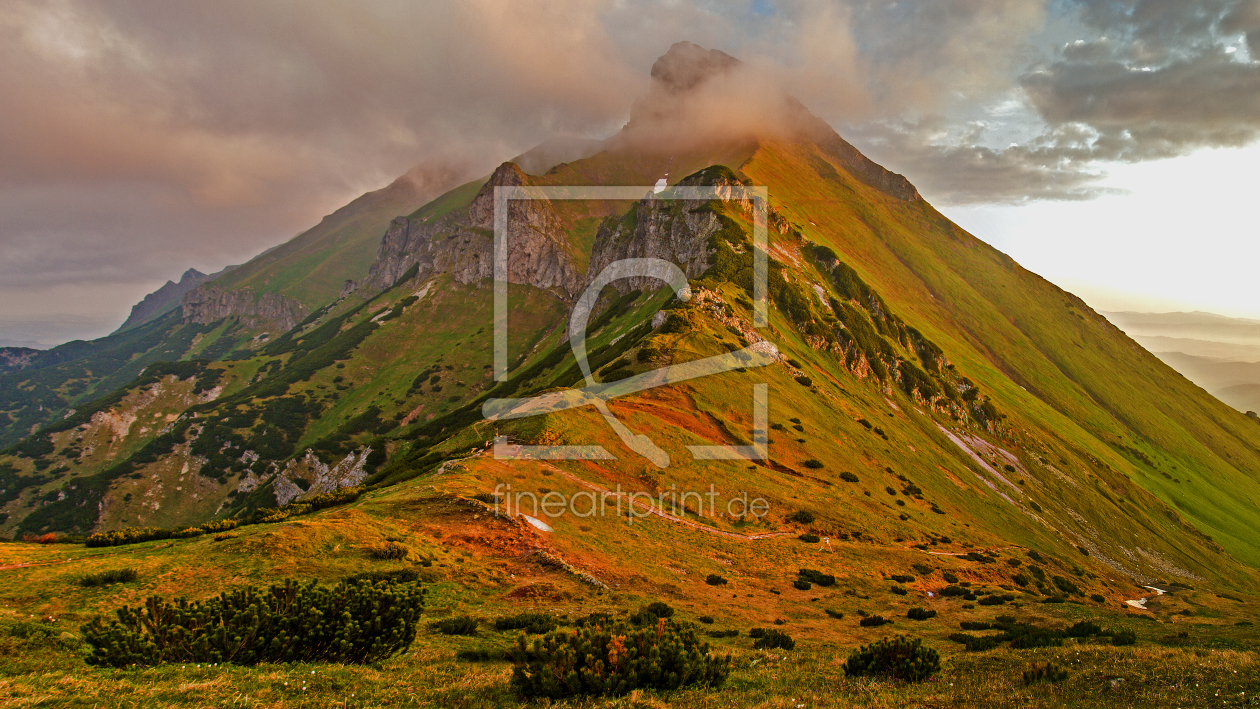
154 136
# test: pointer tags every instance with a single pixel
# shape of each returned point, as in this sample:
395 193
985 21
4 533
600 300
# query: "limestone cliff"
207 304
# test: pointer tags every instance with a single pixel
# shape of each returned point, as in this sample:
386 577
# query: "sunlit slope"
314 266
1066 376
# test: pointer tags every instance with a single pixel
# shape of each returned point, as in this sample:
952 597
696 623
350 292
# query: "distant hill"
166 298
1219 353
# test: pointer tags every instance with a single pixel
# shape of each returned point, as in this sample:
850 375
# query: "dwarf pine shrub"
898 657
774 639
392 551
810 538
1123 637
105 578
614 660
873 621
532 623
817 577
290 622
455 625
918 613
1048 672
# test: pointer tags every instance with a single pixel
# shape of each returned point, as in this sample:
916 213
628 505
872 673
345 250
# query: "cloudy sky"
1106 145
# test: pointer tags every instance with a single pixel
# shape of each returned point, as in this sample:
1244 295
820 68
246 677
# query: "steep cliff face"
166 298
462 243
207 304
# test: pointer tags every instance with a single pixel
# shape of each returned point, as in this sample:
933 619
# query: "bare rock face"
462 243
13 359
207 304
318 477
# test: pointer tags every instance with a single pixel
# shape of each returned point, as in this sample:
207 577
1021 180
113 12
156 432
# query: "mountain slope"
927 391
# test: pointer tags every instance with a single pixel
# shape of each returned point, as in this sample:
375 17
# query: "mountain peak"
685 66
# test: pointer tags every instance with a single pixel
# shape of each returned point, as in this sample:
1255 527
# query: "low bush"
813 464
393 576
848 477
804 381
802 517
613 661
949 591
105 578
1048 672
898 658
975 625
902 579
706 619
975 643
389 551
1083 629
1097 598
873 621
949 578
757 633
835 614
922 569
918 613
455 625
1123 637
817 577
723 633
1065 585
810 538
715 580
774 639
899 590
997 600
532 623
802 584
292 622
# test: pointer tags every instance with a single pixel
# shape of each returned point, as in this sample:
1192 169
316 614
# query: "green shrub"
658 609
1123 637
105 578
835 614
393 576
614 661
976 643
532 623
706 619
774 639
723 633
949 591
997 600
949 578
813 464
455 625
918 613
757 633
902 578
817 577
1065 585
293 622
802 584
391 551
1021 579
648 354
810 538
848 477
1083 629
922 569
802 517
975 625
898 657
715 580
804 381
873 621
1048 672
899 590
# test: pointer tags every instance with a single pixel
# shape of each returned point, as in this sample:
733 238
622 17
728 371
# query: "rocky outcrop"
461 244
207 304
13 359
309 476
167 298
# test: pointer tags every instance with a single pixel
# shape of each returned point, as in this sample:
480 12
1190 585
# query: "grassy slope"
313 266
1085 385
